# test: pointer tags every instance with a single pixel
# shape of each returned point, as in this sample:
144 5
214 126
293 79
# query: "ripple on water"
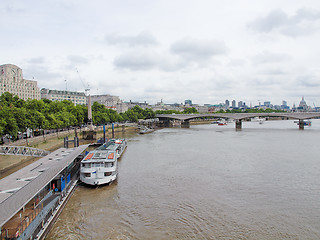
206 182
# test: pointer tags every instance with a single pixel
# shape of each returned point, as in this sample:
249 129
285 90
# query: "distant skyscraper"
267 104
233 103
227 103
240 104
188 102
284 105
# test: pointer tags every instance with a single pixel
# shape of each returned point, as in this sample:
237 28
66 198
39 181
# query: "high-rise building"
188 102
284 105
240 104
267 104
227 103
11 80
234 103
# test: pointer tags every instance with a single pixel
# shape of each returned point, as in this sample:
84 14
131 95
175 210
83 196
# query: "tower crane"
86 88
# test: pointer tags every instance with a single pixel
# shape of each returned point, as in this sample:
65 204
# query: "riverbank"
51 142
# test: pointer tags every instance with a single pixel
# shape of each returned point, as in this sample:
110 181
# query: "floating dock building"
32 198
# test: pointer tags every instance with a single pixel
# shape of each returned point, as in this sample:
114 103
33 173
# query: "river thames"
206 182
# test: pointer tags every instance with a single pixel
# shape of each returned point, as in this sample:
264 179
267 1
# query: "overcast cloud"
303 22
207 51
142 39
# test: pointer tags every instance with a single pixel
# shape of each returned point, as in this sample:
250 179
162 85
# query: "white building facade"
109 101
57 95
11 80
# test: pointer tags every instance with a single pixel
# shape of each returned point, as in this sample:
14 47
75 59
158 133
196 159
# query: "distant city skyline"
207 51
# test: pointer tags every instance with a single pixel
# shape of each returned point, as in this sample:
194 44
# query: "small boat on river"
305 122
222 122
100 166
145 129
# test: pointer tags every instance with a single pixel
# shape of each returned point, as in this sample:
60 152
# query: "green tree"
190 110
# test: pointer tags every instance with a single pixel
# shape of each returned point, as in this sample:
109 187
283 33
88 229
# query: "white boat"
117 145
306 122
100 166
145 129
258 119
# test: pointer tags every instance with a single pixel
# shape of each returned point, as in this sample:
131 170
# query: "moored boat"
145 129
305 122
100 165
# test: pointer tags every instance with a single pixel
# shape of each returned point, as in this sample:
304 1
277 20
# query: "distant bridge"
22 151
238 117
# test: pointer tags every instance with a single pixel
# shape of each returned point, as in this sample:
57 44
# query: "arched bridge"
238 117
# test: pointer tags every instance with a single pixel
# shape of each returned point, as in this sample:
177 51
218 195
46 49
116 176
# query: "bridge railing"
23 151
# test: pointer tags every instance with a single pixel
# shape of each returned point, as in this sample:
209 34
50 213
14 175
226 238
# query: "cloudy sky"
204 50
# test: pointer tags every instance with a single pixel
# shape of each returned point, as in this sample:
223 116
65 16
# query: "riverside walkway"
239 117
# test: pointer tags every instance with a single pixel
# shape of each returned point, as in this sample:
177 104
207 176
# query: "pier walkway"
29 197
23 151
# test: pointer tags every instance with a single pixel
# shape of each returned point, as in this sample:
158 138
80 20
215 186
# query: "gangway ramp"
23 151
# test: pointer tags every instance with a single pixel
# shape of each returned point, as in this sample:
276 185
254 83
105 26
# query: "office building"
11 80
188 102
227 103
60 95
233 103
111 102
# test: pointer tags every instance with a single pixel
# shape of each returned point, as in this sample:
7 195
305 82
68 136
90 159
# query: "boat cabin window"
107 174
100 155
87 174
86 165
98 164
109 164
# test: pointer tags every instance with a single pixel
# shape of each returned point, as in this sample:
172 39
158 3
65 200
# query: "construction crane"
86 88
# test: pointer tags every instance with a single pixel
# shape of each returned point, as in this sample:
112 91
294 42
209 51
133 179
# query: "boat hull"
98 181
100 166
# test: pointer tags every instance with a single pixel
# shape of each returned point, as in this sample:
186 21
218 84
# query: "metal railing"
12 233
24 151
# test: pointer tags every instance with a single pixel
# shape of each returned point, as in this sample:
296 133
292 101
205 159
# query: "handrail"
15 232
22 150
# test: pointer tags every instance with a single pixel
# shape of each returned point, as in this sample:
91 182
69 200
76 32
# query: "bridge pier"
239 124
185 124
301 124
167 123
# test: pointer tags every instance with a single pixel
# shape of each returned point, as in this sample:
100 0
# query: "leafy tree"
148 113
190 110
20 114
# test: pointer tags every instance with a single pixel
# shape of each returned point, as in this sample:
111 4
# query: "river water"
206 182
